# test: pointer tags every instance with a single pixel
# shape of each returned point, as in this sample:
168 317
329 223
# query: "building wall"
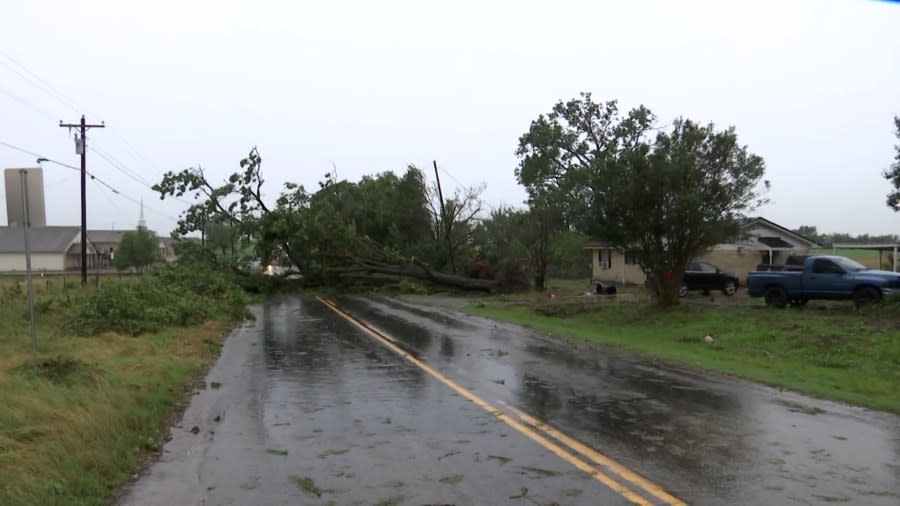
737 261
743 257
618 271
39 262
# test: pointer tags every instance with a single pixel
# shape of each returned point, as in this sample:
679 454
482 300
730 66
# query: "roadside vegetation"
589 169
114 362
829 350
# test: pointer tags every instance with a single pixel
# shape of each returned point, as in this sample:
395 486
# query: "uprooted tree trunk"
415 270
666 286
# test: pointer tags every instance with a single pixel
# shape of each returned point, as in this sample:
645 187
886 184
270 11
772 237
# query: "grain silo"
15 212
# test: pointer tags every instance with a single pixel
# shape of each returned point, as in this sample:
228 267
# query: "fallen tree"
319 233
416 270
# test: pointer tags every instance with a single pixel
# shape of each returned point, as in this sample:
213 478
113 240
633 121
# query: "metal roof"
876 246
110 236
42 239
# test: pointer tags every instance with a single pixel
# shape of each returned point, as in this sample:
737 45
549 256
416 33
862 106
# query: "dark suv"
707 277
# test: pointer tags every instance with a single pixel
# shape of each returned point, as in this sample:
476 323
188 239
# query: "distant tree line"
827 239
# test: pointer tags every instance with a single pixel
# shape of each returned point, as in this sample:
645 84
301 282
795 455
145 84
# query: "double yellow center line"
607 471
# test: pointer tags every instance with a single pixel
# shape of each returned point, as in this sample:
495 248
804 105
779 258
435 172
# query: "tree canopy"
138 249
892 174
663 194
384 224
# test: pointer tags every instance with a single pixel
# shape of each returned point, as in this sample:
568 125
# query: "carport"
881 248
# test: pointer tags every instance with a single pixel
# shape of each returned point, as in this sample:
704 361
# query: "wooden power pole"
448 226
83 127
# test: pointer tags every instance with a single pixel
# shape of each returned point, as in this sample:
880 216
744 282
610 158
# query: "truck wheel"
730 288
866 295
683 290
776 297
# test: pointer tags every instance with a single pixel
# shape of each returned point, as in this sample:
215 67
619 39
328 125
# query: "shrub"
175 295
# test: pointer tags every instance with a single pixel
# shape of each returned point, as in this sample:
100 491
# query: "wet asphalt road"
312 410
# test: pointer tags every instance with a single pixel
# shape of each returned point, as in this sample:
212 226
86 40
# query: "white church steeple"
142 223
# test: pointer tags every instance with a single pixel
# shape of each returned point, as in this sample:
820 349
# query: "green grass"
77 416
834 351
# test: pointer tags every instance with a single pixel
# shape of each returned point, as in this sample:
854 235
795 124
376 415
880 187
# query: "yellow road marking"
532 434
598 458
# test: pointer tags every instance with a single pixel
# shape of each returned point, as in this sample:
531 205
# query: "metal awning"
880 248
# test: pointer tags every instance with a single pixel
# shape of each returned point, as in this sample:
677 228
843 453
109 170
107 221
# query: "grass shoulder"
831 351
80 414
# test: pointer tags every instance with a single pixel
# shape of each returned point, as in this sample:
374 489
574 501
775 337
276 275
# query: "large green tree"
663 194
345 230
892 174
138 249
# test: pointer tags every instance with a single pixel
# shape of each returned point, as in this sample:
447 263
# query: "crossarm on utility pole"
83 127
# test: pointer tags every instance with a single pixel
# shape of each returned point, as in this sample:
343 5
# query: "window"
705 267
630 258
770 259
823 266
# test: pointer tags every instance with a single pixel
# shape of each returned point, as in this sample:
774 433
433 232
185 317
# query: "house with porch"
761 242
58 248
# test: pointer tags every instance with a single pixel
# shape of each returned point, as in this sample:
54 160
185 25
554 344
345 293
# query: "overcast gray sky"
810 85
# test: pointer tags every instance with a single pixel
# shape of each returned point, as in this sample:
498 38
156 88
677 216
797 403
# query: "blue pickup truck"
823 277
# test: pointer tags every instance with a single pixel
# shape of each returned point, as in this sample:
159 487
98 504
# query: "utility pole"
82 144
448 226
23 177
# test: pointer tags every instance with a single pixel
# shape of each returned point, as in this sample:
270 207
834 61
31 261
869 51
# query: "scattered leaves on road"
307 485
453 479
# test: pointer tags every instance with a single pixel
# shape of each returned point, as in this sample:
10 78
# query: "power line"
132 174
26 103
137 153
44 85
37 82
453 178
157 211
121 167
108 198
92 176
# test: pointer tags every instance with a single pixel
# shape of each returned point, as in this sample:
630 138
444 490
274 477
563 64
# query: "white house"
761 242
